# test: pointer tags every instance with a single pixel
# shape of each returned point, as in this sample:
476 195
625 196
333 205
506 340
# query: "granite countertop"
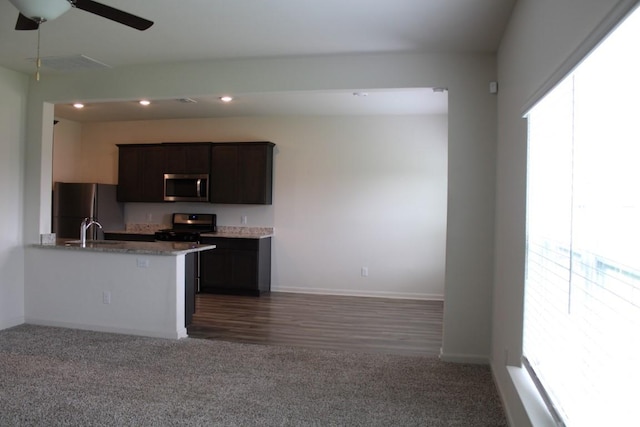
116 246
223 231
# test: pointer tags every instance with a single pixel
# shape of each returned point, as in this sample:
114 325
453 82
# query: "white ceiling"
376 102
191 30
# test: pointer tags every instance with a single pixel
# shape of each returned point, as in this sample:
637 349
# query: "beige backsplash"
145 228
244 230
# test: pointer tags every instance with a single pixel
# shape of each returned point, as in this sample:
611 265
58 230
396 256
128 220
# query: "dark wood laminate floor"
322 321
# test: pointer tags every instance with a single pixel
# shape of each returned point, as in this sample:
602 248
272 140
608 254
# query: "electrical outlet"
149 217
106 297
364 271
142 262
243 219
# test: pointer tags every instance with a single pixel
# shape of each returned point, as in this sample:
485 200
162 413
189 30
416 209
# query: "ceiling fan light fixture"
42 10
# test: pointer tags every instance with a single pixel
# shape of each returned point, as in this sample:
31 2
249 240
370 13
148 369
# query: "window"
582 285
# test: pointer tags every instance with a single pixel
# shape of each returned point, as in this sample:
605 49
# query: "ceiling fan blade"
26 24
112 14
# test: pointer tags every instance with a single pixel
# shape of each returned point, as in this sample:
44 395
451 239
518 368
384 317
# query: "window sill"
534 405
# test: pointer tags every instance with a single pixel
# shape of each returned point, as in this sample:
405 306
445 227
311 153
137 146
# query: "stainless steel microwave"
186 187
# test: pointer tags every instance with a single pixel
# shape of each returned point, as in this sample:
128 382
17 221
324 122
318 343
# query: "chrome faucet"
84 226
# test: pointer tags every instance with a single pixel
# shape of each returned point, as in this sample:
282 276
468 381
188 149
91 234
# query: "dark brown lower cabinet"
236 266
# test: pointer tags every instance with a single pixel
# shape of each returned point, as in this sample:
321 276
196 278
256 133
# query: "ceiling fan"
35 12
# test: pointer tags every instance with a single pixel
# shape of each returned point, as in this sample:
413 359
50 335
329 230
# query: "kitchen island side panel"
109 292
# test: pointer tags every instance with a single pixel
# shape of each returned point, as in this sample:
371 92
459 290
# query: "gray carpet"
55 376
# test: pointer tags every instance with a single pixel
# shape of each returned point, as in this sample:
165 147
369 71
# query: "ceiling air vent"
71 63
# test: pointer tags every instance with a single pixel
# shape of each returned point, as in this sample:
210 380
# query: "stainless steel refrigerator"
73 202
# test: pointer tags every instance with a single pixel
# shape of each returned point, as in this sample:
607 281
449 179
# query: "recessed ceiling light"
145 102
78 105
226 98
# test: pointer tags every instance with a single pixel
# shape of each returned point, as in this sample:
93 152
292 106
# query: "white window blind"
582 285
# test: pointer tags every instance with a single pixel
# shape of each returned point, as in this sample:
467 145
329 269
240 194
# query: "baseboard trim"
11 322
115 330
354 293
508 411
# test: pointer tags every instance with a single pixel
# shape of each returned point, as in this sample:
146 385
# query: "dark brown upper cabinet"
140 173
242 173
187 157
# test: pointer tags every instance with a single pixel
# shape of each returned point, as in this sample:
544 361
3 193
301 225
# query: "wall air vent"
71 63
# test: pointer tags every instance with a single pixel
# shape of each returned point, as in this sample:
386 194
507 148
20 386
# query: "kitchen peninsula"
240 265
111 286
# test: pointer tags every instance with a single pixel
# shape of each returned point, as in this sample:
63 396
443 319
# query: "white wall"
13 99
67 150
348 192
471 156
542 35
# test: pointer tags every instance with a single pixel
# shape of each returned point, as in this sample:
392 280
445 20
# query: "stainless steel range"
188 228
